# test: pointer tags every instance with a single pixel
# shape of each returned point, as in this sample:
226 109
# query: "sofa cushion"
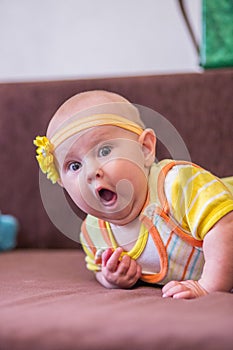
49 301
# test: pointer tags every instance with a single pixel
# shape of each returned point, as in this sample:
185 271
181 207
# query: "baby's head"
98 149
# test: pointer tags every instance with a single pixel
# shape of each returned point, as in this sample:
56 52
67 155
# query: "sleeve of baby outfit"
197 198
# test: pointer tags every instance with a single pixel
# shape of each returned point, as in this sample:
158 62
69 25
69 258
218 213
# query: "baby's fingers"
183 290
134 271
113 261
129 267
124 265
172 288
106 255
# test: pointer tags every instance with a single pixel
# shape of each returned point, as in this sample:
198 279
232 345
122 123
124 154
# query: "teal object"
216 49
8 232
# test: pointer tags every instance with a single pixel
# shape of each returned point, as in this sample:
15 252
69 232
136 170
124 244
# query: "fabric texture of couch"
48 300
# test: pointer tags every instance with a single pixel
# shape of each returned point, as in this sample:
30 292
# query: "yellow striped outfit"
184 202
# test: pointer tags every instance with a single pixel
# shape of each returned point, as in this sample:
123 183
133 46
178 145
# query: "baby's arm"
118 273
218 269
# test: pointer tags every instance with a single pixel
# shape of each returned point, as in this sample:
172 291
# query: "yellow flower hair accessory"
45 157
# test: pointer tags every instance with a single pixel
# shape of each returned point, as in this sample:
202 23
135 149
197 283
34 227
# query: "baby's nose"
94 171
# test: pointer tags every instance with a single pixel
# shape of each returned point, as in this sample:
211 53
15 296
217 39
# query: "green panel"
217 34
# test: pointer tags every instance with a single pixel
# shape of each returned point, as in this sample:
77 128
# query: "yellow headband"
94 120
46 147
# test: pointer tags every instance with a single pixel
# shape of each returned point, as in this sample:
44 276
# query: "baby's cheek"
76 196
71 187
82 197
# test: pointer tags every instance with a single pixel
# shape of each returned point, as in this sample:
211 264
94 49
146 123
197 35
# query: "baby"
169 223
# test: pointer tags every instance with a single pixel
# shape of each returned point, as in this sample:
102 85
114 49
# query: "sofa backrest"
199 105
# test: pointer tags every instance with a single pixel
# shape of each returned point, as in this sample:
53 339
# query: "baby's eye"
75 166
104 151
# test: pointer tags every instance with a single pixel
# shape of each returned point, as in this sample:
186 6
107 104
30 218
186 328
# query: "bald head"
92 102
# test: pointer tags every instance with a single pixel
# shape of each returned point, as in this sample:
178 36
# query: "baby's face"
103 171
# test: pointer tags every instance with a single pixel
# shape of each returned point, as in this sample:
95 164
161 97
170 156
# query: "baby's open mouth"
107 196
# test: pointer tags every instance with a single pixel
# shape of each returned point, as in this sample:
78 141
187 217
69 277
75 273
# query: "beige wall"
59 39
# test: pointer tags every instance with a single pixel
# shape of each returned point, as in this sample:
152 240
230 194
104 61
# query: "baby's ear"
148 141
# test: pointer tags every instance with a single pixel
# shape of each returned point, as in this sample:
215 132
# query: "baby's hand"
183 290
120 273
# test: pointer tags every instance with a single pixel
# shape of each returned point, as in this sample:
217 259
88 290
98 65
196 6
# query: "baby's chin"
120 218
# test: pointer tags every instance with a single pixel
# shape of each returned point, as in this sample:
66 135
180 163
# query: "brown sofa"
48 300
